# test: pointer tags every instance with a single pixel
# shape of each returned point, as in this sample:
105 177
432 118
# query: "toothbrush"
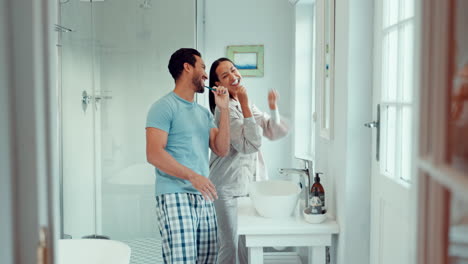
213 89
209 88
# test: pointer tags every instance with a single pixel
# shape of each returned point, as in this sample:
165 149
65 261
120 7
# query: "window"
397 84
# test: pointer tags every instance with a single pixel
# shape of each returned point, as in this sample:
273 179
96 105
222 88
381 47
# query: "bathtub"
92 251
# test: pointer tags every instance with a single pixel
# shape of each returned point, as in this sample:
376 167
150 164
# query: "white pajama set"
232 174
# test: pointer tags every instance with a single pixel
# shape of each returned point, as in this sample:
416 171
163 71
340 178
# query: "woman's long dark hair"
213 79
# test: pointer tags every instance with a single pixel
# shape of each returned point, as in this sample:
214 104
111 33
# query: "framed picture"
248 59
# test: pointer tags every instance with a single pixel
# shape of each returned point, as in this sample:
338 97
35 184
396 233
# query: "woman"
244 163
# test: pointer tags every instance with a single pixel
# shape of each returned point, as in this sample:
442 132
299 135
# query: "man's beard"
198 84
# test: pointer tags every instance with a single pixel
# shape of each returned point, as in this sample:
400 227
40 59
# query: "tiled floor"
145 250
148 251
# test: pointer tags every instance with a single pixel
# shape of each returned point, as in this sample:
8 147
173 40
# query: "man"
178 133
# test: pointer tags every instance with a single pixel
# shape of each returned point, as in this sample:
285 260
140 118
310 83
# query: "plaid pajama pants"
187 223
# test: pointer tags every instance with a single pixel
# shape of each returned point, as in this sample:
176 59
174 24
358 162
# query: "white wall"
269 23
346 159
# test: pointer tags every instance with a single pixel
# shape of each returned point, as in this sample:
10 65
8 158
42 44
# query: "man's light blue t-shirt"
188 126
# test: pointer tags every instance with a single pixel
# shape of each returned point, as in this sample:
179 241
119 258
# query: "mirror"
326 44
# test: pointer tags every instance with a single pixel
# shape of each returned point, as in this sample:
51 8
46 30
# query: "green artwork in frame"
248 59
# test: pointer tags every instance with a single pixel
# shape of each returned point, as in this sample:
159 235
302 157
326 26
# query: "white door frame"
26 137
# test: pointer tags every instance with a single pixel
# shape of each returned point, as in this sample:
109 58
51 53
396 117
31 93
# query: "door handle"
376 125
371 124
85 100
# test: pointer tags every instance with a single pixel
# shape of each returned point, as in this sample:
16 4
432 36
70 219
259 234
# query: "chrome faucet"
307 172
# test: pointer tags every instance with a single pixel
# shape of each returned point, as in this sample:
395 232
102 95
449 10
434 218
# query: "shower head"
146 4
62 29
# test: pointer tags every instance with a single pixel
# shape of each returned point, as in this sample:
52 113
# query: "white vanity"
293 231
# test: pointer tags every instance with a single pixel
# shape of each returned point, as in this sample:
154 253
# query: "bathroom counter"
293 231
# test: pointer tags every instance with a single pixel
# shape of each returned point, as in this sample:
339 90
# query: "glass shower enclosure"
113 57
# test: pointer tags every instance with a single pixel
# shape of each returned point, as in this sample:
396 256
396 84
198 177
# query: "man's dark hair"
213 79
178 58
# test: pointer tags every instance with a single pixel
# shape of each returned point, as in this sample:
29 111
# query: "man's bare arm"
156 140
219 137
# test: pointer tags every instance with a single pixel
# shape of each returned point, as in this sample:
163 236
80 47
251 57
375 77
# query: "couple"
178 134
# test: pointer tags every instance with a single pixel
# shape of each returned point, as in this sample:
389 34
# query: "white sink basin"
92 251
274 198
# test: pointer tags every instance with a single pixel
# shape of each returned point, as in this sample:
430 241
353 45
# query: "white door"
392 136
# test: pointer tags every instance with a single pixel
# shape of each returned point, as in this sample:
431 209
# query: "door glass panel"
397 85
407 9
457 138
389 136
391 140
407 64
390 67
133 48
118 52
77 120
390 12
458 230
131 73
457 134
406 146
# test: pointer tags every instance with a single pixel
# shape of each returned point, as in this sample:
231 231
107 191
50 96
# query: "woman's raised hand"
221 97
272 98
242 96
